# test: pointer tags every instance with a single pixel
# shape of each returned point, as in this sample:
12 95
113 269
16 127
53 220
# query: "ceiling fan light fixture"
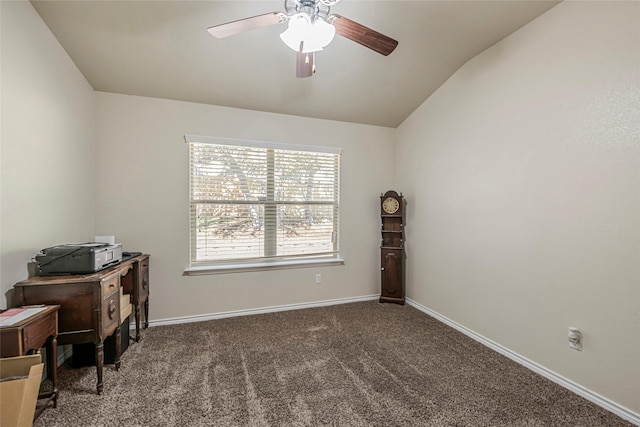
313 36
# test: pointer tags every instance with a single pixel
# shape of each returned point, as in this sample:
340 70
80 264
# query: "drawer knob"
112 309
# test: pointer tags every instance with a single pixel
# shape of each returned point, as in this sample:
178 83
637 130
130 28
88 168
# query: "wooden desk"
89 304
33 333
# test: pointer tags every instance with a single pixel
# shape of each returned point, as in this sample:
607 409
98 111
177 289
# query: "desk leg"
146 313
53 365
118 339
99 365
138 322
52 373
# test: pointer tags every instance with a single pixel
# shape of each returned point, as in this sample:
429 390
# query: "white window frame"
216 267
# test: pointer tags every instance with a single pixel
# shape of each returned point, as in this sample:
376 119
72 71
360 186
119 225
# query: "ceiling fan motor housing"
312 8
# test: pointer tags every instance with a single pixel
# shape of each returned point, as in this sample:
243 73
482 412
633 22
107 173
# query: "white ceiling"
162 49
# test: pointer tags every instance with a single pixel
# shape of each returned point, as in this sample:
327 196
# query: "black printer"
83 258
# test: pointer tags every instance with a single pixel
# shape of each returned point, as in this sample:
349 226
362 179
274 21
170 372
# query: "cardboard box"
19 386
125 300
125 312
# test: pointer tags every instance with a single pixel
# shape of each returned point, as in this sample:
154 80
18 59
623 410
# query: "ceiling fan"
310 29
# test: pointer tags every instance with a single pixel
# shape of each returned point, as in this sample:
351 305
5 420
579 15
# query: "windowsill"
260 266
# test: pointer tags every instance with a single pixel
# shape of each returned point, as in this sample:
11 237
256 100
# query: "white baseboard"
599 400
274 309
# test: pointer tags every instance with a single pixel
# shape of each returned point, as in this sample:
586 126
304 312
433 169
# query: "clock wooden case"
392 247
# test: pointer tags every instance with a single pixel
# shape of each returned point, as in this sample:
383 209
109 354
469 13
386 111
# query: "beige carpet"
360 364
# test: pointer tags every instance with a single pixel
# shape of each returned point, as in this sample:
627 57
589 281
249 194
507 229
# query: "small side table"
31 334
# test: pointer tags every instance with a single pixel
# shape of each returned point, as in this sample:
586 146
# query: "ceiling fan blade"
363 35
246 24
305 66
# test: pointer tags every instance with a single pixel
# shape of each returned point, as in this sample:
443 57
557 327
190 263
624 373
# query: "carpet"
358 364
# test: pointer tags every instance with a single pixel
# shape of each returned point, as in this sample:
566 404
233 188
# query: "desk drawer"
110 285
110 311
36 336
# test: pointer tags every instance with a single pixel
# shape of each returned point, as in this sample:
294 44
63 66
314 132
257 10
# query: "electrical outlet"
575 338
318 278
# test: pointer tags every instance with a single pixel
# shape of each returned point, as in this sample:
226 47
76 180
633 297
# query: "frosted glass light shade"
323 32
314 36
297 31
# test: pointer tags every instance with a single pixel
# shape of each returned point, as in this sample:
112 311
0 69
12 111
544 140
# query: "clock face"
390 205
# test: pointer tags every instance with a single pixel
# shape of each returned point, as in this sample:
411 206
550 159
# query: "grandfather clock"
392 247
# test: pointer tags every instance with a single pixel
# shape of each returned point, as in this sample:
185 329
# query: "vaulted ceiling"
162 49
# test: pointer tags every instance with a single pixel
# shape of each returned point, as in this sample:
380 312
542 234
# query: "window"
257 204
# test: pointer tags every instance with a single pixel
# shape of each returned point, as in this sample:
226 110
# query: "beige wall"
46 145
522 178
142 198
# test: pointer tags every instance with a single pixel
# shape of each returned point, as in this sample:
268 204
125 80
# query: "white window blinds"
259 201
